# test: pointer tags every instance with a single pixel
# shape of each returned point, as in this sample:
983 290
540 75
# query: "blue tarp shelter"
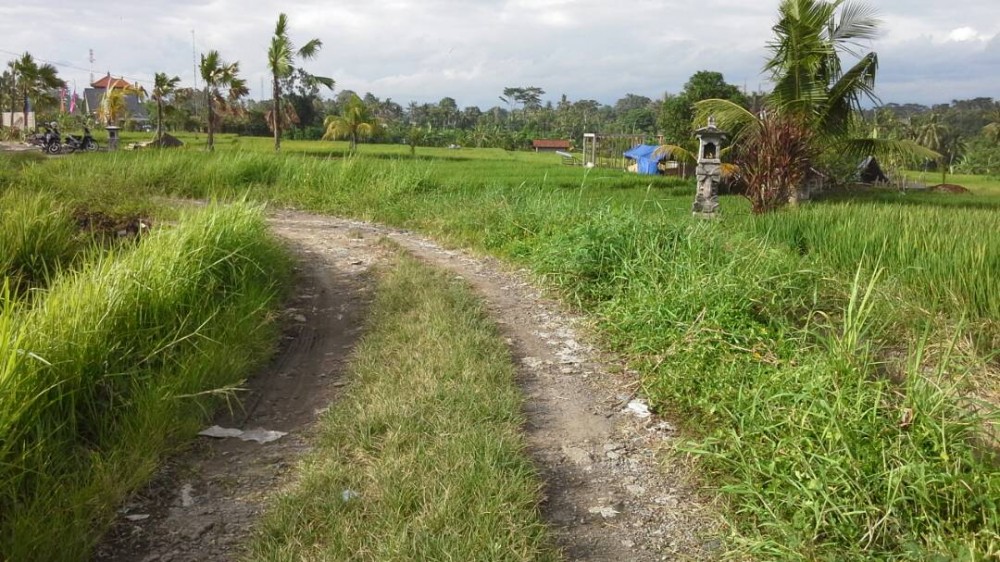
644 158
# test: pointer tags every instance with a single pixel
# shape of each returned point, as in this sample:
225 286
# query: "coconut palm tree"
811 86
356 121
163 86
35 81
992 129
218 76
280 61
932 132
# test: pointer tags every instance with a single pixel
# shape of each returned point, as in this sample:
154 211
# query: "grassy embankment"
818 356
422 459
114 361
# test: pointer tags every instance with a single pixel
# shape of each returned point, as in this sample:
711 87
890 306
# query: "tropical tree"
280 61
812 90
931 133
677 111
414 136
113 107
219 76
163 86
992 129
356 121
7 91
34 81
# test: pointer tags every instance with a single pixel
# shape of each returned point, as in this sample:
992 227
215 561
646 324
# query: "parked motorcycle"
86 142
50 141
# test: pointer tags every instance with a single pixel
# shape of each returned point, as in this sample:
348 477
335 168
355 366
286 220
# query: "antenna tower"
194 61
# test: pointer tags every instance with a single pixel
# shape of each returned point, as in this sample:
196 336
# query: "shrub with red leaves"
774 161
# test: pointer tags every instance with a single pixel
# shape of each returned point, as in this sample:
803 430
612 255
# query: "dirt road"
607 494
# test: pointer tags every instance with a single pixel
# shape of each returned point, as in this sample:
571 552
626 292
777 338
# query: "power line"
67 65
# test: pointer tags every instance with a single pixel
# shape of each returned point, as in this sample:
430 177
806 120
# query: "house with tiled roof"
93 97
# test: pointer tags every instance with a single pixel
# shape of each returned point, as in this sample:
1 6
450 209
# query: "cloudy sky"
422 50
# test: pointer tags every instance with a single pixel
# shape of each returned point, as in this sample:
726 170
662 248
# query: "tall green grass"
104 372
759 332
951 257
37 238
776 366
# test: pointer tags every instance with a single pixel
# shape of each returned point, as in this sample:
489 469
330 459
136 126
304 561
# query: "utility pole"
91 66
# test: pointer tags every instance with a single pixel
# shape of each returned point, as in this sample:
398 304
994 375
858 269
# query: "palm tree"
163 86
34 81
931 135
806 66
931 132
414 136
355 122
992 129
113 107
812 89
220 75
280 59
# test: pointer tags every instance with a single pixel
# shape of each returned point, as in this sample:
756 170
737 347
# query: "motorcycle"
50 141
86 142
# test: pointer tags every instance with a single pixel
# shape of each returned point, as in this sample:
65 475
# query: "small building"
869 171
136 113
550 145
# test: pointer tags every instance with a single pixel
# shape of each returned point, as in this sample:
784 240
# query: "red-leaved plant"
774 161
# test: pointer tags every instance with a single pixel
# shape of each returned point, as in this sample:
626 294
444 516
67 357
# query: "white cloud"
965 34
424 50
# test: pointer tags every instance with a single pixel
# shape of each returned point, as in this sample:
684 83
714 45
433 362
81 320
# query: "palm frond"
310 49
321 80
729 116
281 28
675 152
886 148
844 98
858 22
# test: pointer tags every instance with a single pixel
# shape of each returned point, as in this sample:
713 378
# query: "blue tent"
644 158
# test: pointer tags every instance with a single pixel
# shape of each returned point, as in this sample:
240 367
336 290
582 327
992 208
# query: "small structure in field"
608 151
709 170
550 145
869 171
647 161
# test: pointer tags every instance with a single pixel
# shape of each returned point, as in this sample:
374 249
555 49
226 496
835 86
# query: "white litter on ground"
259 435
639 408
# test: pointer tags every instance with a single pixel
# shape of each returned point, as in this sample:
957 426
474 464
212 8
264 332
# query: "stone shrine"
709 170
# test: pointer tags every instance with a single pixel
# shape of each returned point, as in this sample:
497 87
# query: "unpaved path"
607 494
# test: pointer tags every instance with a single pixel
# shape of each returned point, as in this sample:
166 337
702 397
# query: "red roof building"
110 83
550 145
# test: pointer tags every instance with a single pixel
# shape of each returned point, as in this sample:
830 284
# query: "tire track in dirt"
608 496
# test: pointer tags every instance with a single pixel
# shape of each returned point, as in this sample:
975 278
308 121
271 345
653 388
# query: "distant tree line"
966 133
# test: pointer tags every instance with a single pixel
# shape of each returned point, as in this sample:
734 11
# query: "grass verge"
423 458
119 361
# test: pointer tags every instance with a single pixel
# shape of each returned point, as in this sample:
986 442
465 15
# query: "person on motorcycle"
51 132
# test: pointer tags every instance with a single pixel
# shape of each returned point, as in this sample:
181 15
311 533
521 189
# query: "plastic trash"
259 435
